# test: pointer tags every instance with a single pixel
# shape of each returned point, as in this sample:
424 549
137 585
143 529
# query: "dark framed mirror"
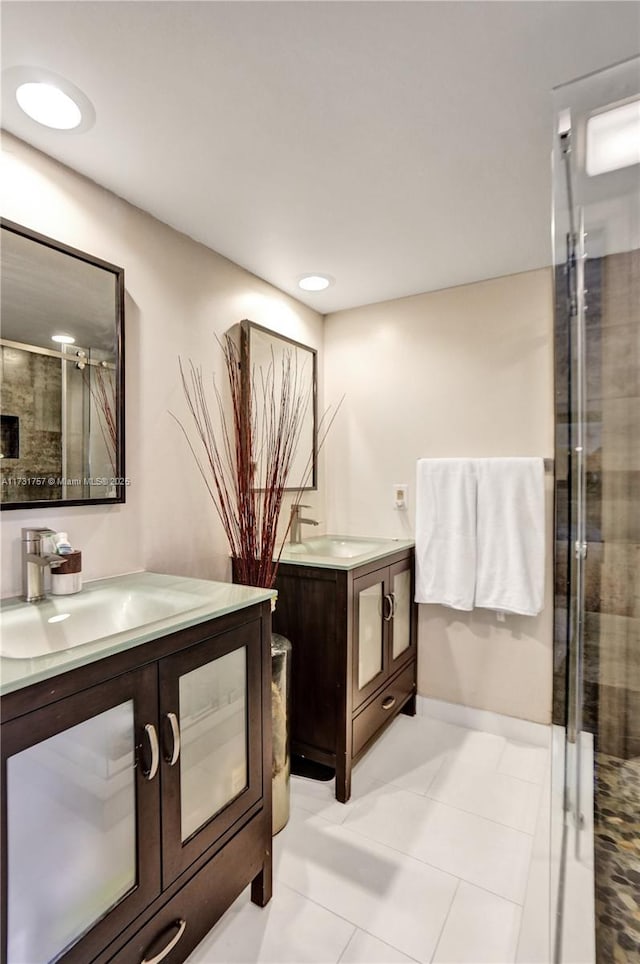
266 353
62 364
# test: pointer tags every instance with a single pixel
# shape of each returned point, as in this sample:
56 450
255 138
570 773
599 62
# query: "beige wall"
467 371
179 295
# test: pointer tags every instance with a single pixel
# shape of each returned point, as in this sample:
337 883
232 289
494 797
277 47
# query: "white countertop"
60 633
341 552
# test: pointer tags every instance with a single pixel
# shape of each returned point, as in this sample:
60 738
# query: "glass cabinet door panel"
370 633
213 733
401 589
71 828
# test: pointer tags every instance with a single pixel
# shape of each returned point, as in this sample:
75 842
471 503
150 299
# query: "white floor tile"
470 847
428 861
401 901
365 949
534 944
524 762
289 930
480 929
479 749
409 753
487 793
319 797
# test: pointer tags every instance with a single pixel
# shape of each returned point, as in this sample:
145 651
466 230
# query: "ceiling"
398 147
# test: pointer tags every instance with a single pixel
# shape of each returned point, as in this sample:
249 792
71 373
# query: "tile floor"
428 862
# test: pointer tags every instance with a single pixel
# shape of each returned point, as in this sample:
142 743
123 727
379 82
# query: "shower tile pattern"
28 379
617 846
612 590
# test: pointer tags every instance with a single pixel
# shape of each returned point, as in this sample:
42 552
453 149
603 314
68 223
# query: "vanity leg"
262 884
343 780
409 708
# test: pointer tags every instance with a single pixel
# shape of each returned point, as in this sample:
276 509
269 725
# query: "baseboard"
523 731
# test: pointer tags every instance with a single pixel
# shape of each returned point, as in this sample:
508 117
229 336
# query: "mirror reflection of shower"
62 369
58 422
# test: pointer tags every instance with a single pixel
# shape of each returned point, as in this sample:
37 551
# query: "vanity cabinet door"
371 615
81 828
210 713
402 628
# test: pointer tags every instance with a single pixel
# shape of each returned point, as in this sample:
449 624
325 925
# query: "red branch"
246 464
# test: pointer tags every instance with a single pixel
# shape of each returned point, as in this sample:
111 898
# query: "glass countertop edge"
335 562
14 675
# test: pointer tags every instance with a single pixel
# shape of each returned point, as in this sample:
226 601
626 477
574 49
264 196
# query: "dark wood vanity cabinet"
136 796
353 633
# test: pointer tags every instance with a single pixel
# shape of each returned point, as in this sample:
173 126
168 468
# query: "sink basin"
340 552
29 630
336 547
40 640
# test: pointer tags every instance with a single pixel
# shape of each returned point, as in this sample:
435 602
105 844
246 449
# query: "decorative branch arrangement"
245 460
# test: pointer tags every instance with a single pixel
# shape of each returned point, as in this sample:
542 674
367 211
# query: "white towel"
445 532
511 524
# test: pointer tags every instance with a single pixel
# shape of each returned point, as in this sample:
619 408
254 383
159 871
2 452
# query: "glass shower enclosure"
595 786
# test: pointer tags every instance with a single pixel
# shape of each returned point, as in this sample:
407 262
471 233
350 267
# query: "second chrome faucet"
297 521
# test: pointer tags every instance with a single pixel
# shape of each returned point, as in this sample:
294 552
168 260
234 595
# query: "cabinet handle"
172 758
387 616
388 702
392 597
180 924
152 736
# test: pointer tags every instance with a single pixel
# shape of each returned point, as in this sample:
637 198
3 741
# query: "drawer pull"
172 758
180 924
152 736
388 702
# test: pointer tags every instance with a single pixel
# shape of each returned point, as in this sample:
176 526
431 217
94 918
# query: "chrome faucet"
34 563
297 521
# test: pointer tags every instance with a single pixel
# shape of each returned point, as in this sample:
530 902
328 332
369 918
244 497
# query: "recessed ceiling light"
314 282
47 98
49 105
613 139
63 339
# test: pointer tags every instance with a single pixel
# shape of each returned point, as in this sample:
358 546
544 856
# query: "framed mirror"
267 354
62 364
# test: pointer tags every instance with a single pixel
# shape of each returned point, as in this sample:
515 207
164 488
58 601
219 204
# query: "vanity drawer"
383 707
185 920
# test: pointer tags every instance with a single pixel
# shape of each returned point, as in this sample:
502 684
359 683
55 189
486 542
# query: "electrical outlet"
400 492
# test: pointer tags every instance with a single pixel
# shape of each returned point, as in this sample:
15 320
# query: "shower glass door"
596 713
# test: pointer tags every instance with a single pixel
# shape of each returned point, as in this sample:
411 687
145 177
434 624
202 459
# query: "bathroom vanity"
136 767
347 606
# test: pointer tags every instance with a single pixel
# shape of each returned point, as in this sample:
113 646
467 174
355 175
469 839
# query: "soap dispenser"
67 577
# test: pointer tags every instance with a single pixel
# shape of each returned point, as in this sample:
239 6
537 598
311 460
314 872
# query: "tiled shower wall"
612 582
613 586
612 630
31 391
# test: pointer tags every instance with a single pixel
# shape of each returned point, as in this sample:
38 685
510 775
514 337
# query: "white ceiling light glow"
37 94
63 339
613 139
49 105
314 282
